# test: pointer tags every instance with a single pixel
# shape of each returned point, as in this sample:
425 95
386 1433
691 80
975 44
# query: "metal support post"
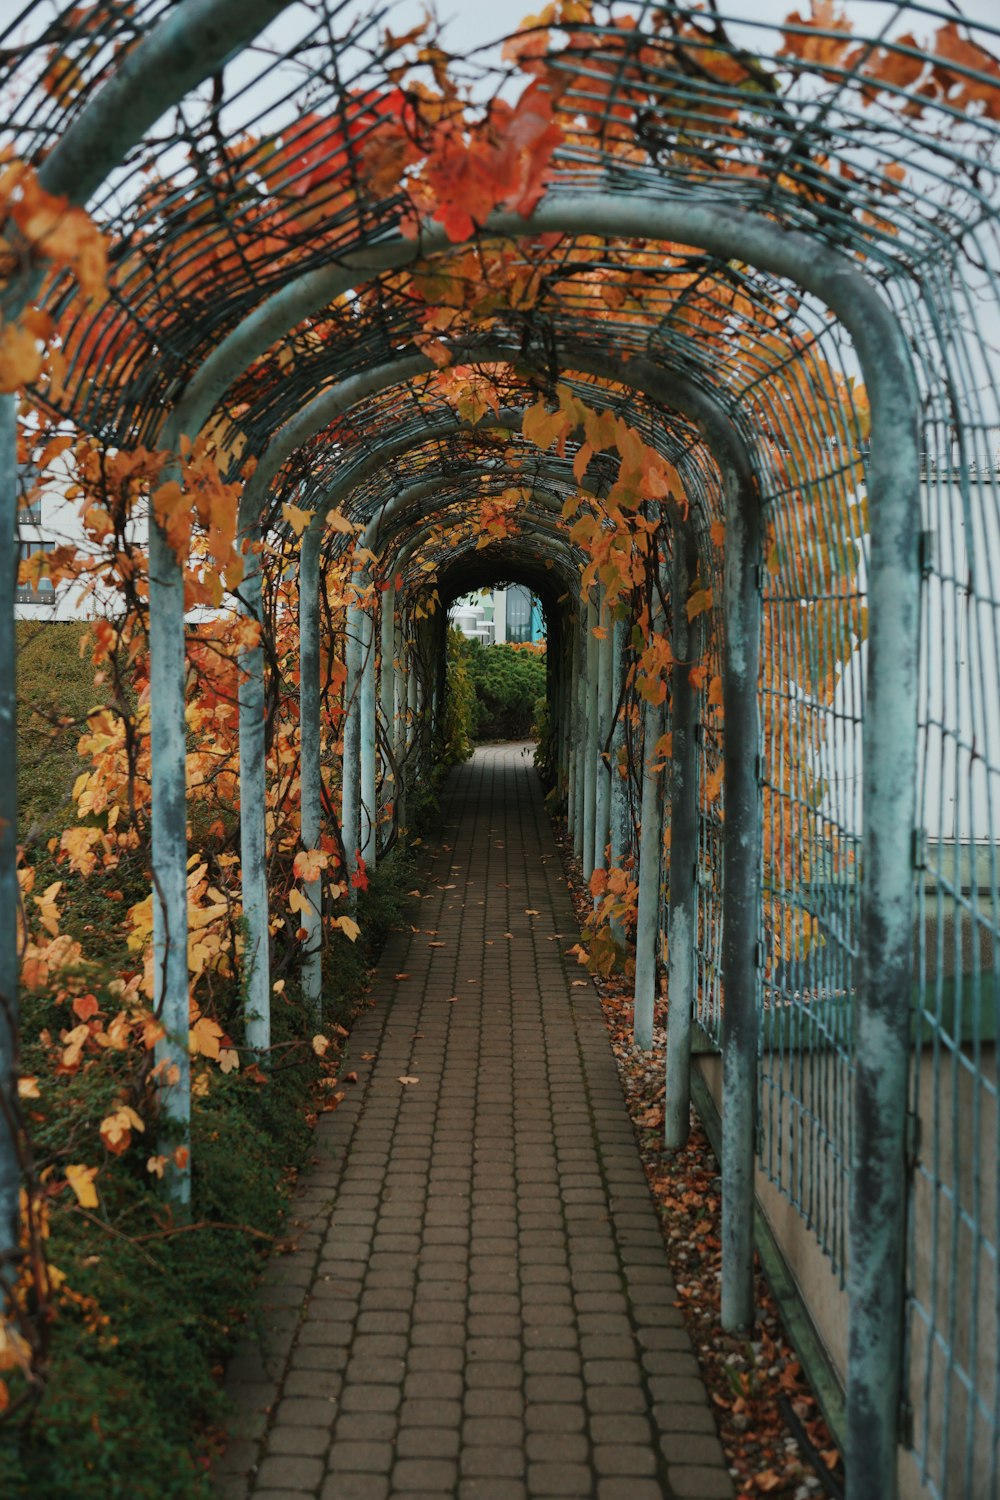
647 933
619 811
605 708
310 774
682 919
350 820
10 898
368 732
387 687
740 906
253 801
168 755
580 700
592 739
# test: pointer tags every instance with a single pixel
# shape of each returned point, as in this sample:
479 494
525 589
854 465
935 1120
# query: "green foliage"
135 1353
146 1311
508 682
459 702
55 693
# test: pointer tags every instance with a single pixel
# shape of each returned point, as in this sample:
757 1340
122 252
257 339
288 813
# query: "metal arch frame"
889 733
888 770
741 889
309 698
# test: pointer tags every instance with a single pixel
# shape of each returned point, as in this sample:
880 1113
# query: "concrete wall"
955 1189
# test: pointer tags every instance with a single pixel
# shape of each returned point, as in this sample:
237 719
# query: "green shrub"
459 702
508 682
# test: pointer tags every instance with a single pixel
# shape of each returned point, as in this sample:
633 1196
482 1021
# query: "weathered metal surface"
10 896
683 847
310 771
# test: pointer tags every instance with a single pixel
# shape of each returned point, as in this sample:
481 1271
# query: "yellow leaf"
337 521
27 1088
699 602
320 1044
229 1060
81 1180
348 927
204 1037
297 519
308 864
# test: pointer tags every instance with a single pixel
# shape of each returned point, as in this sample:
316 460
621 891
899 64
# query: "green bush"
459 702
508 682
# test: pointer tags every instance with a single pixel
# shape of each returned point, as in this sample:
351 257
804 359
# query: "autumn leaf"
320 1045
20 358
297 519
204 1037
81 1180
116 1129
699 602
308 863
337 521
348 927
407 1079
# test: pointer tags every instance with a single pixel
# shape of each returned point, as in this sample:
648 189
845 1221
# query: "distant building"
496 616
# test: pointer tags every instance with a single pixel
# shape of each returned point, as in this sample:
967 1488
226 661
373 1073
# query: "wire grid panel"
953 1284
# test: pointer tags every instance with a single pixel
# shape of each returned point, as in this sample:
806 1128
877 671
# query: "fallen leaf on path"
407 1078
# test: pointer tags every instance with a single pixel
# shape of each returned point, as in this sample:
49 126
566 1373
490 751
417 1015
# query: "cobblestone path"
480 1304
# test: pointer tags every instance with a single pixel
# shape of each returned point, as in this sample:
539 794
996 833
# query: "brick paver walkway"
480 1304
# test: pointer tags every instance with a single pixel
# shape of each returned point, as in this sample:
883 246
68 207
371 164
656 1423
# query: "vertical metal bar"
683 851
168 755
387 686
400 694
592 737
310 775
253 809
740 902
581 700
647 933
567 714
350 821
9 893
602 812
368 731
879 1173
619 812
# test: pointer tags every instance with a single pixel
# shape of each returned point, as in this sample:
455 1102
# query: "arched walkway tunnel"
686 321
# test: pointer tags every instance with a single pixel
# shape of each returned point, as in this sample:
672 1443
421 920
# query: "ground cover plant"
138 1306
